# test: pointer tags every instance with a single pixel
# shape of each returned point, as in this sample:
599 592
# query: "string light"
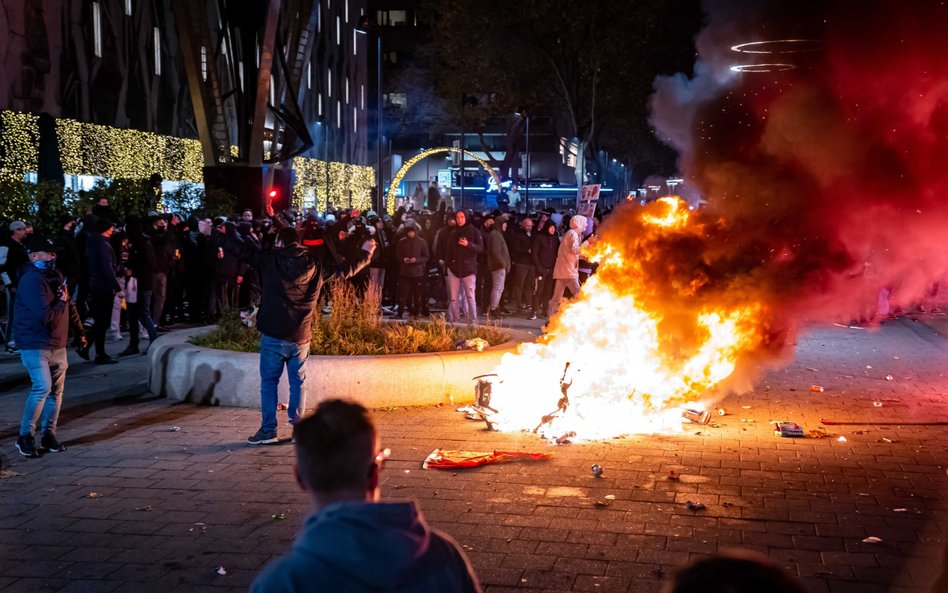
117 153
397 180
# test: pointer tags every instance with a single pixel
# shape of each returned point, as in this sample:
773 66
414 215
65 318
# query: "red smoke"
827 182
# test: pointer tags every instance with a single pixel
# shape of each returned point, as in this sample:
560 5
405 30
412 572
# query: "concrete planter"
182 371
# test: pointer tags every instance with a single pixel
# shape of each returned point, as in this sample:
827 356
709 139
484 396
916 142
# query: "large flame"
632 352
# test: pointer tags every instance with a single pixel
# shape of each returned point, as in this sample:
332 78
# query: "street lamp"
526 189
363 27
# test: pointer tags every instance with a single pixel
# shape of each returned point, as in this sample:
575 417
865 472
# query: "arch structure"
397 180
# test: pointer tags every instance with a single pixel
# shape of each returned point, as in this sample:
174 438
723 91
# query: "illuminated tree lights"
117 153
397 180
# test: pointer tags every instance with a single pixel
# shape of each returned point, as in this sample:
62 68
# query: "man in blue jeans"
41 328
289 286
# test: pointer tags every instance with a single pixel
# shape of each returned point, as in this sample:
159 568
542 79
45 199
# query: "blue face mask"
45 265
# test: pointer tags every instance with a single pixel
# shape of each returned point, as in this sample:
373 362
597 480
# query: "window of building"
272 91
309 75
320 105
338 114
347 11
329 83
203 63
362 95
347 91
97 29
128 7
319 17
355 120
240 74
392 18
355 42
396 100
338 31
390 57
156 38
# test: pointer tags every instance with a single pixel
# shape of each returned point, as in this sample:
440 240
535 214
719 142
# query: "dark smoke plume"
828 182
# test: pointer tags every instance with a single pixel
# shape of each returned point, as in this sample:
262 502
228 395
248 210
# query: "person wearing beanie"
103 286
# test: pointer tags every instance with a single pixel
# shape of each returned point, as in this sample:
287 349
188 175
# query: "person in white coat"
566 270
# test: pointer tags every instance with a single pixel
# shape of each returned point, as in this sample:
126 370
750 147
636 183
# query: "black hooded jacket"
289 285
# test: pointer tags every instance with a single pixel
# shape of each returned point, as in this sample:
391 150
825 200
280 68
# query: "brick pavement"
170 507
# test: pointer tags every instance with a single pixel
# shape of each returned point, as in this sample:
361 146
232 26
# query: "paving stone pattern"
135 505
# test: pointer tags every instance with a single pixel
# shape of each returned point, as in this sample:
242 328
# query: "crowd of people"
145 275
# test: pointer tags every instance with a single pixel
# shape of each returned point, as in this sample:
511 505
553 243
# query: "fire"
632 349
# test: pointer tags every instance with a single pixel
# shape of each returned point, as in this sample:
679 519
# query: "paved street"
138 505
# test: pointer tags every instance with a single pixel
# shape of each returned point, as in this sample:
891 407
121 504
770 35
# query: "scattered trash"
452 459
747 407
566 438
174 429
221 571
819 433
869 366
877 404
282 406
872 540
823 573
885 440
722 412
695 506
696 416
597 470
673 475
841 439
600 504
479 344
610 497
812 369
144 509
279 517
889 377
899 510
92 495
788 429
727 504
816 388
8 473
747 419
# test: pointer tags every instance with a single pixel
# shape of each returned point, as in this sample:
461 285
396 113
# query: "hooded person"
461 252
289 283
566 268
352 542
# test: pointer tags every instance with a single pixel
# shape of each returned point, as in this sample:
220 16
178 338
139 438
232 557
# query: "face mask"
46 265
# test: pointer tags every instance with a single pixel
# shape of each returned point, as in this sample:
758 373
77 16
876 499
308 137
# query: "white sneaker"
115 337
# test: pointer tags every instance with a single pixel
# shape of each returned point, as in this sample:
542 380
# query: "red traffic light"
272 194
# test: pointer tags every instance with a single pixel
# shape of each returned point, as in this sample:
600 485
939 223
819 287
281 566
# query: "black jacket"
544 249
416 248
67 260
141 262
13 257
164 245
101 258
289 285
519 244
462 261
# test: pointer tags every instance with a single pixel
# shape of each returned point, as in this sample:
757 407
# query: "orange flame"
634 357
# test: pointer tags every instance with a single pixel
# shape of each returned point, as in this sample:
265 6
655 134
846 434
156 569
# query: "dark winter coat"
544 248
41 317
289 285
519 244
67 260
102 265
13 257
409 247
462 261
141 262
